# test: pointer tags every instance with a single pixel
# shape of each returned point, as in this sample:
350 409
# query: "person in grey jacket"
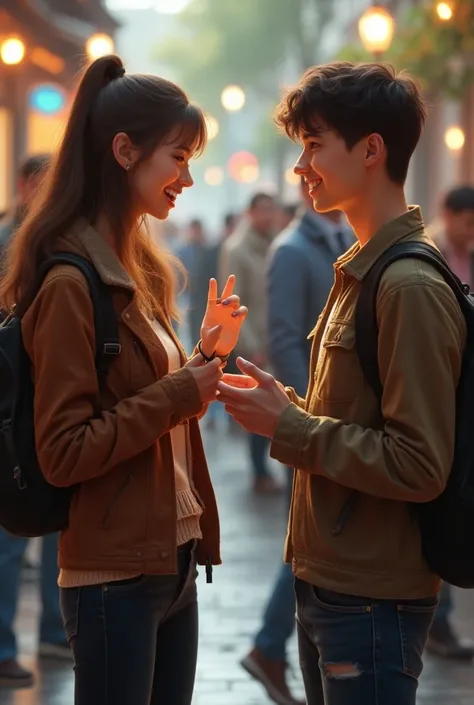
299 278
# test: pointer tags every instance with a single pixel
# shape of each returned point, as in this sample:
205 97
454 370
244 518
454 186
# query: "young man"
365 596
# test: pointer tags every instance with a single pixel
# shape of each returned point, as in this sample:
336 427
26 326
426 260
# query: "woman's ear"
124 151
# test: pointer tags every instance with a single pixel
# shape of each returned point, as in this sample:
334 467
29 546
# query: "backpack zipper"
10 446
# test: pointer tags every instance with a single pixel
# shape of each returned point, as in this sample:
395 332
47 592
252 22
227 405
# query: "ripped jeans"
360 651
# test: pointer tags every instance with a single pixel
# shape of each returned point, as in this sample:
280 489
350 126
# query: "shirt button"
164 555
139 553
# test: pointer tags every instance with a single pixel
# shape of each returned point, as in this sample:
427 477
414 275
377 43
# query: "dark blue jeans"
259 448
360 651
135 641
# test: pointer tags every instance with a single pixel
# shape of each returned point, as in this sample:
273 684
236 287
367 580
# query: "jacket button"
164 555
127 316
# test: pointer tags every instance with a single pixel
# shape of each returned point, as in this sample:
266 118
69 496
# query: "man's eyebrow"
315 132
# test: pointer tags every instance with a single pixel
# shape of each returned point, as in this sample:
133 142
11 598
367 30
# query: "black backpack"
29 505
447 523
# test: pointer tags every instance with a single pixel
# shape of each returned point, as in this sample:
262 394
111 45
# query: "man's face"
459 228
262 216
335 174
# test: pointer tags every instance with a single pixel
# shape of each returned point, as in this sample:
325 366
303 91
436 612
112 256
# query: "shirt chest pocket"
338 374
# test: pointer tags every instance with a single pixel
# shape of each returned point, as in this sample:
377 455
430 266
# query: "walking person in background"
143 513
191 253
300 277
453 232
52 642
245 254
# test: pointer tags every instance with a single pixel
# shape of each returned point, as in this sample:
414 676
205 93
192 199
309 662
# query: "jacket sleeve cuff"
184 392
288 438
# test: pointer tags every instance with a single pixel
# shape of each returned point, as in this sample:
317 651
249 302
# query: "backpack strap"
105 318
366 309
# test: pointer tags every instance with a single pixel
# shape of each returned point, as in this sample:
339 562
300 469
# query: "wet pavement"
252 537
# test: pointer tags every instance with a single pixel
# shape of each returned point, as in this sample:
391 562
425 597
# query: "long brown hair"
85 180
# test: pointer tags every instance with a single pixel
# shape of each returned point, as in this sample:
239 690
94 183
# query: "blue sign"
47 98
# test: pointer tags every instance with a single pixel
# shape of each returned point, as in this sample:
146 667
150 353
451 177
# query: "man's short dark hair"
258 198
33 165
356 100
459 199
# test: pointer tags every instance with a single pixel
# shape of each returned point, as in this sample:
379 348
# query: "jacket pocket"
338 373
118 494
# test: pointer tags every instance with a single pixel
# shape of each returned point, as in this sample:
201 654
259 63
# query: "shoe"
57 651
266 485
442 641
12 675
272 675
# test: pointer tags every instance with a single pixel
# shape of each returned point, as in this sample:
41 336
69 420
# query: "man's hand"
255 399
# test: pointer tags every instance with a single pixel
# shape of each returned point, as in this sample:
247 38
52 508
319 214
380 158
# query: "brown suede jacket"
340 440
123 514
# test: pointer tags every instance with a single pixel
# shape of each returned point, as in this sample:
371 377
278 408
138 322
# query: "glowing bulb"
233 98
12 51
454 138
445 11
99 45
376 28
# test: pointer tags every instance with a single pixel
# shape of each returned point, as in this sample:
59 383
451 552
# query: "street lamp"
454 138
445 11
12 51
376 29
99 45
233 98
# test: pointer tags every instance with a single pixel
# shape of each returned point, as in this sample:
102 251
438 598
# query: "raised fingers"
229 287
212 295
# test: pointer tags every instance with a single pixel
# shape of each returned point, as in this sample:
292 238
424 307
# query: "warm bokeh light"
243 167
291 177
376 28
454 138
212 127
233 98
214 175
12 51
99 45
444 10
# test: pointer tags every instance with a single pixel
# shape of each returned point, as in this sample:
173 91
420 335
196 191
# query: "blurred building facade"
42 47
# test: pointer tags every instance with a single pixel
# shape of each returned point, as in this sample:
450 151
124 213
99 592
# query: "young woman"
144 512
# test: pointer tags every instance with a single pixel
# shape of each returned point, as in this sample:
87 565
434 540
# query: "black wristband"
206 358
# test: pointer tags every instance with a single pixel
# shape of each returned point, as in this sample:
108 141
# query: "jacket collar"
358 260
88 242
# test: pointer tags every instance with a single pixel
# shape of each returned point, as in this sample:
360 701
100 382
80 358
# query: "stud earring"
127 166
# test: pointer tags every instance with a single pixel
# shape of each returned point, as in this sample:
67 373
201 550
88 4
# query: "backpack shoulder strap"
366 309
105 319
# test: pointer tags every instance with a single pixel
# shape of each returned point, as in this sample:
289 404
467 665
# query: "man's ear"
375 149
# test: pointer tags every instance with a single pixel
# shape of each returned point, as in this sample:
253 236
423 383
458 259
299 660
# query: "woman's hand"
226 312
207 376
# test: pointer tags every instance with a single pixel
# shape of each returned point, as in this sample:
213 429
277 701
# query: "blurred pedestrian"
245 254
143 511
284 215
300 277
52 642
191 253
